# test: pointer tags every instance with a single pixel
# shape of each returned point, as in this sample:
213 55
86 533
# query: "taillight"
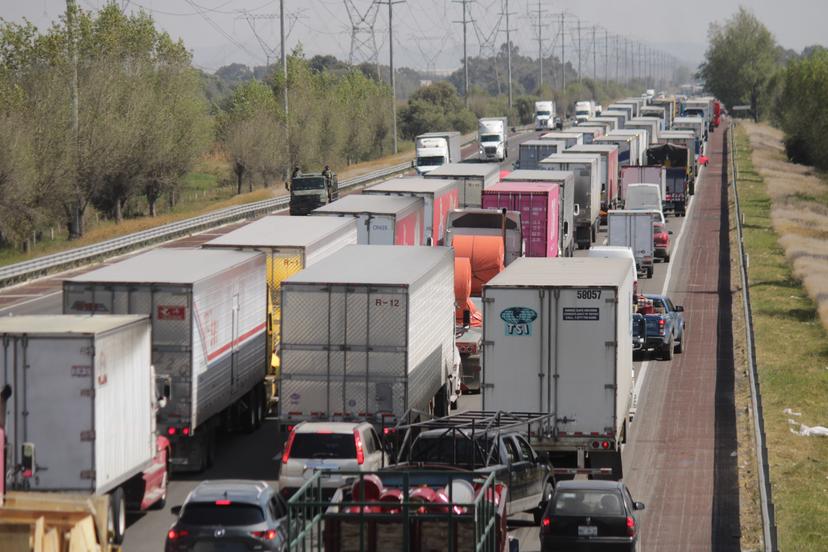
171 431
604 444
546 524
270 534
358 444
185 432
174 535
388 430
660 326
630 526
223 503
286 453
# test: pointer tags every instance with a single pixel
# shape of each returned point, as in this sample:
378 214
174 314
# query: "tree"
435 107
800 109
740 59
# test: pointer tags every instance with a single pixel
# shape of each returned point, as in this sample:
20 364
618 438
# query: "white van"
643 196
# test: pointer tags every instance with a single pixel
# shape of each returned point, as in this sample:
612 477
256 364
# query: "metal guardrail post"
771 543
43 265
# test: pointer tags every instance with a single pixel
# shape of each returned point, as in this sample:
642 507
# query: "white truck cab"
491 133
544 115
434 149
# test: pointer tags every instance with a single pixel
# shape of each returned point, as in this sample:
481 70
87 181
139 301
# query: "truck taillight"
358 444
171 431
660 326
286 453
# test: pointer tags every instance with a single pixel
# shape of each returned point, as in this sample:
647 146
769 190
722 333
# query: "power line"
465 23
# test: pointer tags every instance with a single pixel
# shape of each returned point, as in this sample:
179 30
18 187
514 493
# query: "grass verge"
792 356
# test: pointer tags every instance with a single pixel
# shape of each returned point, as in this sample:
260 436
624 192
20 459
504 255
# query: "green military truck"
308 191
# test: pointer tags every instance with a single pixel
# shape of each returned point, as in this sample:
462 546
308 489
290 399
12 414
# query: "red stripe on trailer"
245 336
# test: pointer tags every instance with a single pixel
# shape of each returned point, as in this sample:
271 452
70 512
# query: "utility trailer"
557 343
209 319
368 333
80 417
471 178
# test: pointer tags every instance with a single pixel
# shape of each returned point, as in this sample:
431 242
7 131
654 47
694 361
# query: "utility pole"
465 23
617 58
563 53
594 56
75 226
539 24
579 50
391 65
640 74
508 50
606 57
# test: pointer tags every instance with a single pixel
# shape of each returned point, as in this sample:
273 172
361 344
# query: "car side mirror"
638 505
176 510
679 308
670 232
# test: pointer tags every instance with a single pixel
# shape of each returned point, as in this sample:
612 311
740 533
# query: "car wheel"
667 259
680 346
668 350
117 516
649 272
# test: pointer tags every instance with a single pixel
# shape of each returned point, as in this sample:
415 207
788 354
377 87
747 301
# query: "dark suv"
230 514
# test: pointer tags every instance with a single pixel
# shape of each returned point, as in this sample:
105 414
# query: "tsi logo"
518 320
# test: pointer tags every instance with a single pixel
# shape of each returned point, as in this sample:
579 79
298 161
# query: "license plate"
587 531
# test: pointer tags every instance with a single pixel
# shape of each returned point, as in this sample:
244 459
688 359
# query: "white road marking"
32 300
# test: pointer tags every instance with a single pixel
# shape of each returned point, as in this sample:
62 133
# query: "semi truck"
471 179
545 117
541 213
439 197
80 413
368 333
634 229
557 343
209 337
609 172
309 191
491 134
587 171
381 220
642 139
566 181
584 111
627 148
434 149
532 152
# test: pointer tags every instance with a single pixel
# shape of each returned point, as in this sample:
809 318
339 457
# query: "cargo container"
439 197
611 122
627 148
566 180
659 112
634 229
609 171
289 245
476 221
696 124
531 152
368 333
587 171
541 213
569 138
626 108
381 220
642 141
649 124
81 415
619 116
643 175
209 317
557 342
472 178
590 133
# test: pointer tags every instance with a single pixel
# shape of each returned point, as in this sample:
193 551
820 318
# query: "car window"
525 449
221 513
575 502
277 507
375 438
323 445
670 305
511 451
367 441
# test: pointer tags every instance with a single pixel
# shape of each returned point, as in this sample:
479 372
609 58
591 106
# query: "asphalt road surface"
680 459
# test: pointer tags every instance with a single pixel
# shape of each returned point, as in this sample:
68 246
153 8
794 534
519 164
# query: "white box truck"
368 333
545 115
634 229
433 149
557 342
209 332
491 135
381 220
471 179
81 415
587 170
642 140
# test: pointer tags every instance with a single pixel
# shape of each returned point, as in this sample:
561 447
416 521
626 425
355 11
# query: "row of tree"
745 65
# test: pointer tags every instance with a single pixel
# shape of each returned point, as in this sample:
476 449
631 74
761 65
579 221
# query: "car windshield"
430 161
308 183
325 445
544 113
221 513
490 138
588 503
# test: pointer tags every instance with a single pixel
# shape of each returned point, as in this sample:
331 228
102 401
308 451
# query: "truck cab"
435 149
584 111
545 118
491 134
311 191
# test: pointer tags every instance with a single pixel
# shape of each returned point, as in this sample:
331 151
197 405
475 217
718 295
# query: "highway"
680 458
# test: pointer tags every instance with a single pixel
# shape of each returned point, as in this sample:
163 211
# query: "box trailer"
589 133
368 333
586 168
611 123
626 108
209 319
627 148
609 172
439 197
541 213
569 138
659 112
634 229
648 124
557 342
381 220
696 124
619 116
655 174
566 181
81 415
472 178
531 152
642 142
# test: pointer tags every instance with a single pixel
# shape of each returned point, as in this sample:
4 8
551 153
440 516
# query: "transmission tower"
465 22
363 38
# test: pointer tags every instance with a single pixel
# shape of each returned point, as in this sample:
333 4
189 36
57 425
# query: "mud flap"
611 460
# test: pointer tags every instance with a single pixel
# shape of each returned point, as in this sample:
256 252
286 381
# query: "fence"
765 491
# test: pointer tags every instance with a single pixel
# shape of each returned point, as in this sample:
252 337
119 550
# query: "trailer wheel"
649 272
117 516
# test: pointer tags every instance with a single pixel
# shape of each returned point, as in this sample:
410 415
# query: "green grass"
792 355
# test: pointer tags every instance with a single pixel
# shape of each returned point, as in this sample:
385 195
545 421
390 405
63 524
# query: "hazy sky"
221 31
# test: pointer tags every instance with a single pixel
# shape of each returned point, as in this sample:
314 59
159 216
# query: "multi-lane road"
681 456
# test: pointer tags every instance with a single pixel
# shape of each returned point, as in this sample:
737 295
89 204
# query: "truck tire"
667 258
649 272
667 352
249 415
117 516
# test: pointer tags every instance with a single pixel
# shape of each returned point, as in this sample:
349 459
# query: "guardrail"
43 265
763 471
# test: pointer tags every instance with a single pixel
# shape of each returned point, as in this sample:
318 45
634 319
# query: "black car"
591 515
230 514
